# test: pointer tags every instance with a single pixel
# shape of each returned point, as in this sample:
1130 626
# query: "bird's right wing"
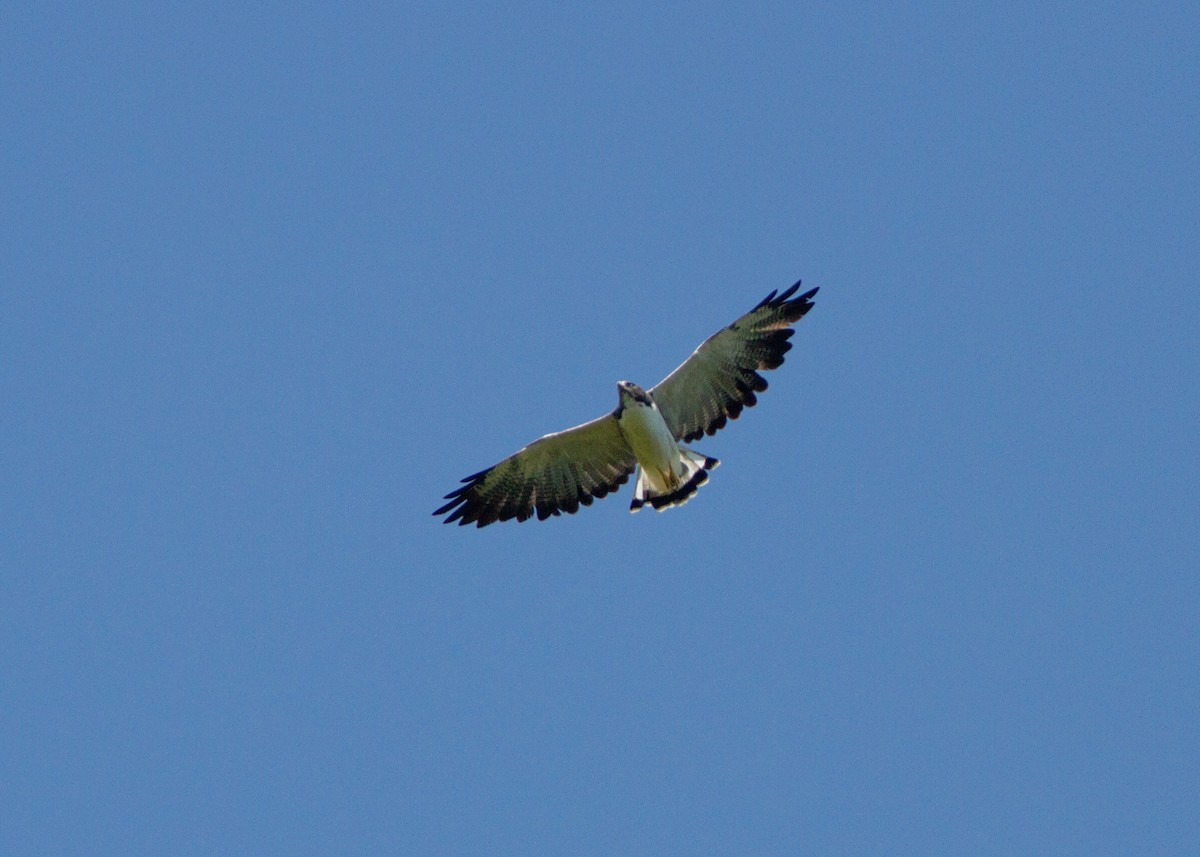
721 377
554 474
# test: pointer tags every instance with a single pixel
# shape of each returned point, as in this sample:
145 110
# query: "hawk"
568 469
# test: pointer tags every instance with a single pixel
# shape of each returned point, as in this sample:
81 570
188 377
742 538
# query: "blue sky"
276 277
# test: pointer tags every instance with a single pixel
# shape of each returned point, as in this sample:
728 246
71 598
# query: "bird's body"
668 474
562 471
647 434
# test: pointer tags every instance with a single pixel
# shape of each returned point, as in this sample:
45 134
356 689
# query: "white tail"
692 474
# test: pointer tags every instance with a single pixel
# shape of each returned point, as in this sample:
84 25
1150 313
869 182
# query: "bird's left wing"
554 474
721 377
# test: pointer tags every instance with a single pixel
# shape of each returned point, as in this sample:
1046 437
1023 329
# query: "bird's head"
628 391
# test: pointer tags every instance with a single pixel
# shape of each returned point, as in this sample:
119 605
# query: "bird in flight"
568 469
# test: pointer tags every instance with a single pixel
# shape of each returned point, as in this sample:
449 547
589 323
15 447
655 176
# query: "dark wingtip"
804 298
795 309
765 300
458 498
776 299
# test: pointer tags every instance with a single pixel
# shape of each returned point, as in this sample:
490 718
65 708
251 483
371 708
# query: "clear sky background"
274 277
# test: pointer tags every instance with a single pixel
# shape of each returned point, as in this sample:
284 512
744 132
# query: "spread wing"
557 473
721 377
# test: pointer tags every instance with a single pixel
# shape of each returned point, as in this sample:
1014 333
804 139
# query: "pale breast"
653 444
